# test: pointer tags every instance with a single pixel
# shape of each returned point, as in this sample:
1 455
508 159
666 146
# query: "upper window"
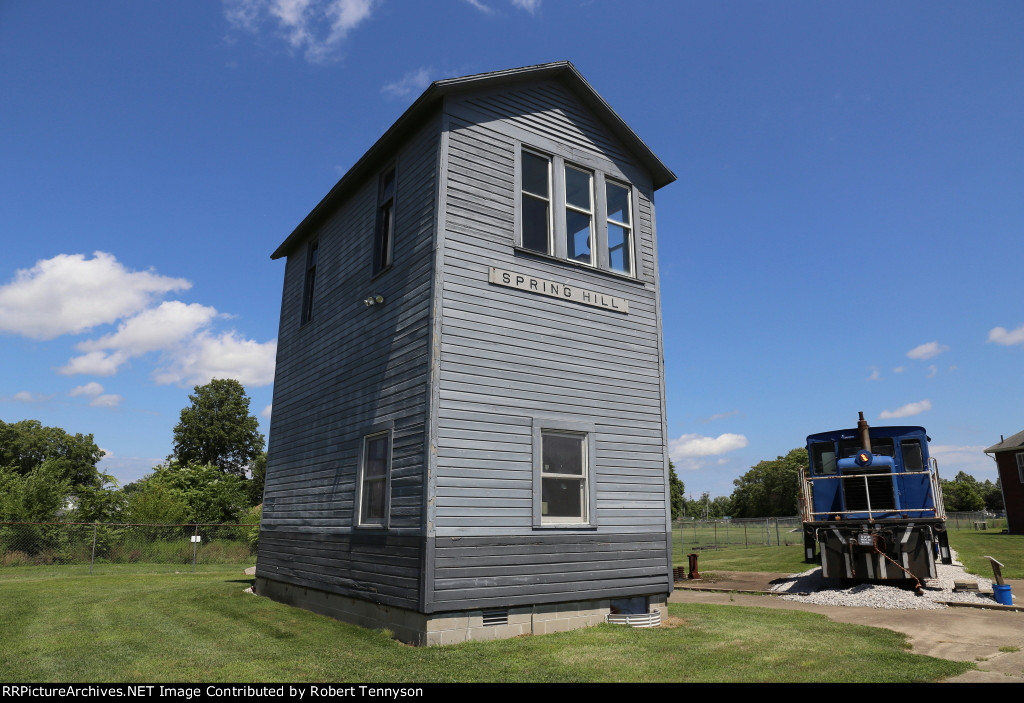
307 290
536 202
373 482
1020 466
574 213
579 214
383 241
620 228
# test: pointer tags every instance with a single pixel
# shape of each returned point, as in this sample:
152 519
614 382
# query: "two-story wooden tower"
468 436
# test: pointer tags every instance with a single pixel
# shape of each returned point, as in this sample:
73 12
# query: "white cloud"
265 413
899 369
875 374
694 445
153 329
95 363
927 351
316 27
69 294
206 357
159 328
1000 335
480 6
91 389
109 400
954 458
530 6
908 410
413 81
30 397
933 371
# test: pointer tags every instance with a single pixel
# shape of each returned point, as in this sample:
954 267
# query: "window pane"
376 457
824 456
563 454
387 186
913 459
618 203
618 248
562 497
577 188
373 500
535 174
578 236
535 224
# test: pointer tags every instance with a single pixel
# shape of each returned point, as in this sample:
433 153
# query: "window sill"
566 526
521 251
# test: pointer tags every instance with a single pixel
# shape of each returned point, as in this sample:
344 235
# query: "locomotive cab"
871 501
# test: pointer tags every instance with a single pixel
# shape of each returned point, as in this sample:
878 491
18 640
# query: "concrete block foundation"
447 628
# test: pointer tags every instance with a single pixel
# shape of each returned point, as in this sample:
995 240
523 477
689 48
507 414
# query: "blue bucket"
1002 594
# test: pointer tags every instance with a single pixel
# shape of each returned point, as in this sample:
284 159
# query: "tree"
26 445
218 429
198 493
770 488
258 469
962 494
676 488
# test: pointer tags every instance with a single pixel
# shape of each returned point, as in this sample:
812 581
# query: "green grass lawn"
160 627
973 545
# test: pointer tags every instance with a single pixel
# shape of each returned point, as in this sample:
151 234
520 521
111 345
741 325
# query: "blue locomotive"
872 502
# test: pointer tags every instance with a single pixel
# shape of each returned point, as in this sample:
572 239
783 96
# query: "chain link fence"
740 532
978 520
92 544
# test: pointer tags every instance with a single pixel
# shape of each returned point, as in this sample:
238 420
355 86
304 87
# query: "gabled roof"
428 101
1014 442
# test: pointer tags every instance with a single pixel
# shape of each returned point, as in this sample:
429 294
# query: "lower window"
563 482
374 472
563 477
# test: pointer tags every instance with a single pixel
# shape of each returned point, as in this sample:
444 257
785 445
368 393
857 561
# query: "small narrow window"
308 286
620 228
1020 466
579 214
563 477
823 454
536 202
374 481
384 239
913 459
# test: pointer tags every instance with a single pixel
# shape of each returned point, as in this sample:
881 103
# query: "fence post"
92 560
195 549
745 542
778 538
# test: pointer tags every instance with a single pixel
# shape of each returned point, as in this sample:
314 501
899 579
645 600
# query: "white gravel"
811 587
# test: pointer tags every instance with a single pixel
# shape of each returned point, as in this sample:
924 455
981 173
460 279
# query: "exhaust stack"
865 436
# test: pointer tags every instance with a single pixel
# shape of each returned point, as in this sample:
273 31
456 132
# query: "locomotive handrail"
806 482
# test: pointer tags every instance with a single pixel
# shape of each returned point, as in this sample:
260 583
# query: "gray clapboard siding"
349 368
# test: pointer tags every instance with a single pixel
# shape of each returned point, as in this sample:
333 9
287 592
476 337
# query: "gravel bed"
811 587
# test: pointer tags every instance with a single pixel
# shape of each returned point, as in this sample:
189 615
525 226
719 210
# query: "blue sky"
843 236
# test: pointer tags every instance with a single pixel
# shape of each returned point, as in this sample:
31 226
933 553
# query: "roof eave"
421 109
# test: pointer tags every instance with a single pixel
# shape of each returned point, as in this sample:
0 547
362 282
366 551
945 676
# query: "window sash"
564 477
535 201
383 242
375 470
309 284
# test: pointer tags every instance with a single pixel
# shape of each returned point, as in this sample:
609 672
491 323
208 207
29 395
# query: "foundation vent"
493 618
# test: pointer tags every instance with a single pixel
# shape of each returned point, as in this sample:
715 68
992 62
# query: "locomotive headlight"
864 458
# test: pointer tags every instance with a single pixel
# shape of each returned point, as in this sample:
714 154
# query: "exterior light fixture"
374 300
